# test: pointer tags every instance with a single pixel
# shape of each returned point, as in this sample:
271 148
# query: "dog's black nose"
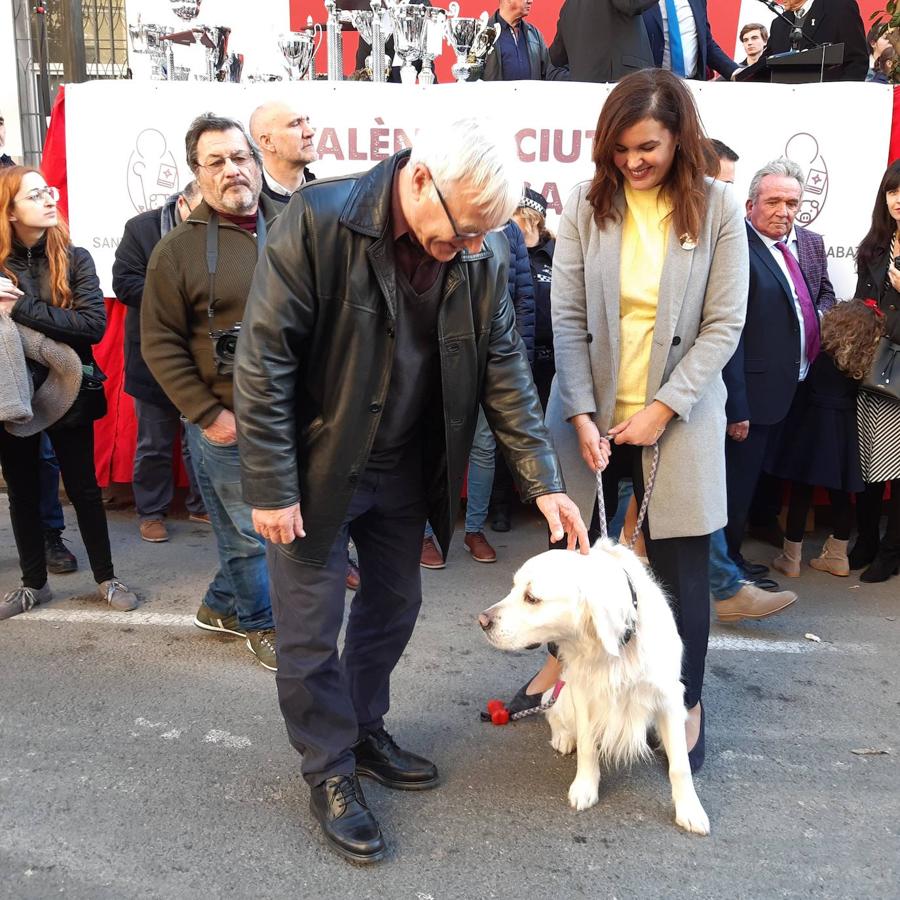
486 622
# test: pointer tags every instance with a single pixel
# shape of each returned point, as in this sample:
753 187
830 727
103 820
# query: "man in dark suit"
781 334
602 40
825 22
683 43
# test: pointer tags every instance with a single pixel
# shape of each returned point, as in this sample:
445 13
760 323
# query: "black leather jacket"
84 323
315 356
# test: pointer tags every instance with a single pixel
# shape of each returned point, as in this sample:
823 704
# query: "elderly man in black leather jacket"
378 320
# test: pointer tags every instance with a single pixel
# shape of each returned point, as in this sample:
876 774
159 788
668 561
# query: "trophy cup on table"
373 26
409 22
298 49
434 40
472 40
334 42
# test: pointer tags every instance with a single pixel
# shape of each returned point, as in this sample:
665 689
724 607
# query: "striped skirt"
879 436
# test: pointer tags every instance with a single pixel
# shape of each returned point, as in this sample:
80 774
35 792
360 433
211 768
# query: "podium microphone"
797 34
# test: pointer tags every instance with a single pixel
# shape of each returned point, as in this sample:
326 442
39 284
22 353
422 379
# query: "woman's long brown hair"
57 249
850 335
655 94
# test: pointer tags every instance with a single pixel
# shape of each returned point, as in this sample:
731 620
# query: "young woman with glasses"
50 286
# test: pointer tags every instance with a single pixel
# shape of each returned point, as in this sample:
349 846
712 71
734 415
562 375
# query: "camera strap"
212 254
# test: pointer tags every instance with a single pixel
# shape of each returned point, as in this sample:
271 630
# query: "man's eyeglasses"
216 165
459 235
39 194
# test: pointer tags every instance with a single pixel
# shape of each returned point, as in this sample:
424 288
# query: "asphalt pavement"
141 757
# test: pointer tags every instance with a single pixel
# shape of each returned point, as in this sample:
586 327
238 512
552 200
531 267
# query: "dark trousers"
330 701
799 506
153 481
744 461
51 509
681 566
20 459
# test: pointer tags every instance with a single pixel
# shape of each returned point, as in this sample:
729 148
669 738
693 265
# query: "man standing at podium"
825 22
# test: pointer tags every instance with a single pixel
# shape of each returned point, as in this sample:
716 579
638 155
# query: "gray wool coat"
702 303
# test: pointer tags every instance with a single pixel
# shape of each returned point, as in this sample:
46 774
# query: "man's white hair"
468 152
783 168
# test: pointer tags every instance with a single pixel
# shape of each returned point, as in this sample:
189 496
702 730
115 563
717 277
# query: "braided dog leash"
642 512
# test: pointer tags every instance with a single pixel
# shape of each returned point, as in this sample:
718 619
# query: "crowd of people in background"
377 339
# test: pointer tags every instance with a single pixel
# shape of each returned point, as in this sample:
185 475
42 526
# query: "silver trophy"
151 41
335 42
472 40
409 21
185 10
373 26
298 49
434 38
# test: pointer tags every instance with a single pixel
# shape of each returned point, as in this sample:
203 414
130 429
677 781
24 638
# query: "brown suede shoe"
751 602
431 556
477 544
154 531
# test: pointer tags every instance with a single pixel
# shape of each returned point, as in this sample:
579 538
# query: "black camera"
897 262
224 346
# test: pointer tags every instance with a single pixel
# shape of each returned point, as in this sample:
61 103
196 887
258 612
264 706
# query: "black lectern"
795 67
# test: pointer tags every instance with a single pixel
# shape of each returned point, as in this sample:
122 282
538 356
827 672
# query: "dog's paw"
690 815
583 793
562 742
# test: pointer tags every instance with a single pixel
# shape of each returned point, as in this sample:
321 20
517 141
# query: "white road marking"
172 620
235 741
172 735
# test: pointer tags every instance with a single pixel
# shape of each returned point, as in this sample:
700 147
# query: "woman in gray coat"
649 293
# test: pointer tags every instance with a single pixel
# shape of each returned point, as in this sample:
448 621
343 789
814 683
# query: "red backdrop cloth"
115 433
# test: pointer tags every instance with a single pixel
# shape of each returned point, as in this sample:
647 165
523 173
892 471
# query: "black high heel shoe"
698 754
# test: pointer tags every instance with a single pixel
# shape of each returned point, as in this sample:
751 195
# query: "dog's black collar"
629 631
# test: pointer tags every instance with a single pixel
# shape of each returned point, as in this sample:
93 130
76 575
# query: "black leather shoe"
379 757
347 823
697 756
753 570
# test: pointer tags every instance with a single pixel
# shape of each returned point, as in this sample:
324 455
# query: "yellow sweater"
644 239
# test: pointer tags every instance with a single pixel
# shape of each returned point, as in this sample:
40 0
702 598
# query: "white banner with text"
125 141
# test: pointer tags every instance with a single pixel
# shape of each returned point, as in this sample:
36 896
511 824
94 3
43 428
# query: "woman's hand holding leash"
644 428
594 449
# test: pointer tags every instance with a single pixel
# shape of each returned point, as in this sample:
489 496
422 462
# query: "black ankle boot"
60 560
886 563
865 549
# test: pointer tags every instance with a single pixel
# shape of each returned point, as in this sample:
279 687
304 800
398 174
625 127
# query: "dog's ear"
596 618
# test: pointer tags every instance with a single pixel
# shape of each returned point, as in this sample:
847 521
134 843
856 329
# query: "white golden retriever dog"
621 658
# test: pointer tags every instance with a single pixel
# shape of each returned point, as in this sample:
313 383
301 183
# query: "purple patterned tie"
810 318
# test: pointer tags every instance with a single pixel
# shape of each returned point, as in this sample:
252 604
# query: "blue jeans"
626 492
241 585
725 578
48 468
481 475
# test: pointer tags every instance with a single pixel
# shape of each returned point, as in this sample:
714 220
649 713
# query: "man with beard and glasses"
198 279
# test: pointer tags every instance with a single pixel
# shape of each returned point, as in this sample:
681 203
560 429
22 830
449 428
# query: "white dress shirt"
778 256
276 187
687 25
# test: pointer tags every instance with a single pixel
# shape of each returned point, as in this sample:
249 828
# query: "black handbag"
884 376
90 404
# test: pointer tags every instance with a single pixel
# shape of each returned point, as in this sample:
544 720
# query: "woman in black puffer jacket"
51 286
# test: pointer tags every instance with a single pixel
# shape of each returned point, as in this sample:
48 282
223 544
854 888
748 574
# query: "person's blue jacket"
521 287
